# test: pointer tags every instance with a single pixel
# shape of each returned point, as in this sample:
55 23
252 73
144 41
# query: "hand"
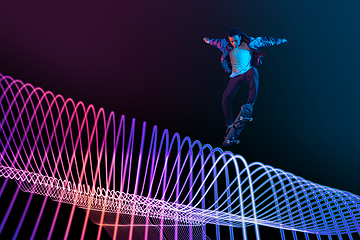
284 41
207 40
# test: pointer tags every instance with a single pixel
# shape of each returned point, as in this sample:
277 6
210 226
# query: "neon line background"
139 183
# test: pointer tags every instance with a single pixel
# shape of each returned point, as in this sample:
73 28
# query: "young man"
240 57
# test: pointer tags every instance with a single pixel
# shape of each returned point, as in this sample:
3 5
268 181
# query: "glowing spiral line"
74 154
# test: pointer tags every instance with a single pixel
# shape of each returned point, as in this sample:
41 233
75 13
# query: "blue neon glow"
76 155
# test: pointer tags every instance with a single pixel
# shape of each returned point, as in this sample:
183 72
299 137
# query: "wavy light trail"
150 185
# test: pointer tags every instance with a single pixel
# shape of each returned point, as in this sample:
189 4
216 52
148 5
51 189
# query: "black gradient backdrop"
146 59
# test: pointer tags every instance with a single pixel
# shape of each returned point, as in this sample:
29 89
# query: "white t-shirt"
240 61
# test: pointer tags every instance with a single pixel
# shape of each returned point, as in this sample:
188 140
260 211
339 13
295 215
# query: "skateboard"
239 124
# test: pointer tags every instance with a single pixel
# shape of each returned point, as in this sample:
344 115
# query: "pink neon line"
39 218
96 174
69 221
54 221
80 179
31 195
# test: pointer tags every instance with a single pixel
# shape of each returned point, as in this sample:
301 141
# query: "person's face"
235 40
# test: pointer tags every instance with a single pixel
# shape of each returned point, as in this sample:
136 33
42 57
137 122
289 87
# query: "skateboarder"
240 58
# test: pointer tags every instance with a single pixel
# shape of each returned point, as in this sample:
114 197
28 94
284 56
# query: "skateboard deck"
239 124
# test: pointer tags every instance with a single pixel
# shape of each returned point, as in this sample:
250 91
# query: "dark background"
147 60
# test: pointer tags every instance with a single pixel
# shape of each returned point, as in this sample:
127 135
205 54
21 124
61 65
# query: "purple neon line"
12 114
241 200
274 192
294 235
3 186
116 142
297 203
282 233
287 202
16 122
28 163
23 217
190 187
213 182
279 178
165 165
28 126
129 154
177 165
152 152
271 181
307 236
229 203
140 159
203 228
177 191
319 207
156 161
216 195
39 218
50 138
311 210
54 220
163 178
247 169
9 209
340 216
137 178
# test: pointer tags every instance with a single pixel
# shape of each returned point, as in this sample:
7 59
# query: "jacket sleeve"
219 43
260 42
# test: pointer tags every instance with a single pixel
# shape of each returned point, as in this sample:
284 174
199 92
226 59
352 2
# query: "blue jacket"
253 44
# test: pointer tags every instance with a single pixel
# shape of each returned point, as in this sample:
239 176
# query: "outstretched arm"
219 43
260 42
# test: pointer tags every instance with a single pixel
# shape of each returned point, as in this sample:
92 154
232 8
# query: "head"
233 36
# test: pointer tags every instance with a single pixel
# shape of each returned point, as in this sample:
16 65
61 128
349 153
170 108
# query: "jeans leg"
231 89
253 78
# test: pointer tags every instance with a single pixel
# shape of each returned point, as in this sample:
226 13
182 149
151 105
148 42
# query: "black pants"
251 77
